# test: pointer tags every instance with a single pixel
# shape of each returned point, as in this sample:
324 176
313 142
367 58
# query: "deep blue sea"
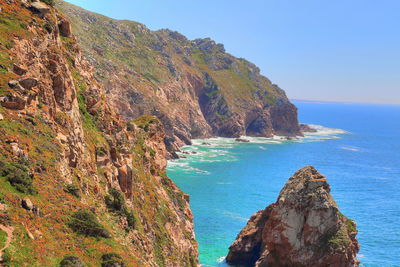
358 149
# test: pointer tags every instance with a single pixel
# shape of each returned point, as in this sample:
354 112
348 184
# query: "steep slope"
194 87
77 184
304 227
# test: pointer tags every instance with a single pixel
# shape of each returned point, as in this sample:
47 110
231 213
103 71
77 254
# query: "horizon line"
341 102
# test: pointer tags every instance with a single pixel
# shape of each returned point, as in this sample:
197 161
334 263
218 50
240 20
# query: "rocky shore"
195 87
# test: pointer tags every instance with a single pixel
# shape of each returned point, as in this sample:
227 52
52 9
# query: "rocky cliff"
195 87
304 227
79 186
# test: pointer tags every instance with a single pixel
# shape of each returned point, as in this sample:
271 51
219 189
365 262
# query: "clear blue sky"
333 50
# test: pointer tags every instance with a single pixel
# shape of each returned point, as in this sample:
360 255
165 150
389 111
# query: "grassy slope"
52 238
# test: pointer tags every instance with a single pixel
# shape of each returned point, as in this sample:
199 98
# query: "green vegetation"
212 94
3 238
115 201
145 121
49 2
6 257
71 261
85 223
111 260
18 175
3 69
339 239
350 224
73 190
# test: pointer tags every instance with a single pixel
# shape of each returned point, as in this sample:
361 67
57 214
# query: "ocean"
357 148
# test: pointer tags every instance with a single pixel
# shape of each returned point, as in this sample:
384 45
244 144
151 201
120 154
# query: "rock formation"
86 171
195 87
304 227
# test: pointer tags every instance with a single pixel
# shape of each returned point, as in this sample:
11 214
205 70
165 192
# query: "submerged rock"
242 140
304 227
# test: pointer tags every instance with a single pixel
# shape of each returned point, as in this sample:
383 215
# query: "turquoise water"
359 152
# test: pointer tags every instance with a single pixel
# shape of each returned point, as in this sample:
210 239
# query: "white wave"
325 131
234 215
217 149
177 163
381 178
350 148
222 183
221 259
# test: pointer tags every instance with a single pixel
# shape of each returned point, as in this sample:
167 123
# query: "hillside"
195 87
79 186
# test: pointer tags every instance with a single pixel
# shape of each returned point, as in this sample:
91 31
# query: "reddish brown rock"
19 70
65 28
61 113
304 227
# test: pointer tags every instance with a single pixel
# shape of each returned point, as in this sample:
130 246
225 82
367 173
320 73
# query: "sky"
329 50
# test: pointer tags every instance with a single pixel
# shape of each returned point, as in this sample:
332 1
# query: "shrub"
71 261
49 2
85 223
6 257
112 260
115 200
73 190
145 121
18 175
130 218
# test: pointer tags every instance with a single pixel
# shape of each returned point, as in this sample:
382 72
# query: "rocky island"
304 227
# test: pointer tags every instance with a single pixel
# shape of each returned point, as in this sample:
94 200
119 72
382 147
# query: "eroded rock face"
195 88
304 227
61 126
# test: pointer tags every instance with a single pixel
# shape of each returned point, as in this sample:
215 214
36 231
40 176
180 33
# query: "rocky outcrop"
62 143
304 227
195 88
305 128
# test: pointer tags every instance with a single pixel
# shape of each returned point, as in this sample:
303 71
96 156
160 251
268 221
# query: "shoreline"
321 133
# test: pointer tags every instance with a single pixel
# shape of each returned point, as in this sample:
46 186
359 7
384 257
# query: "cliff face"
304 227
77 183
195 87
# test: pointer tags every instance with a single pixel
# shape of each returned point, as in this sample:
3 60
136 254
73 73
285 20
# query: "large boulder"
40 8
304 227
27 204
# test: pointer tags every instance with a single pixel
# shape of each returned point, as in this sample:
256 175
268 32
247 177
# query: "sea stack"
304 227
